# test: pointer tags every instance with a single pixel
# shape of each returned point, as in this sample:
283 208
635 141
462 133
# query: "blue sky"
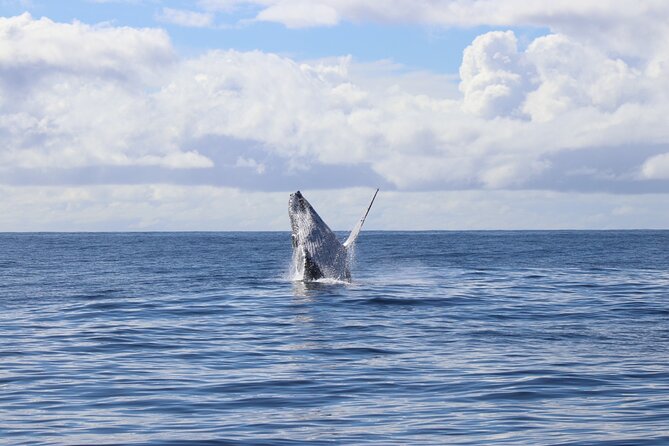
175 115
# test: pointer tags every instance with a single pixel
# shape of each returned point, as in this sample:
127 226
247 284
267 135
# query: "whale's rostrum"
317 252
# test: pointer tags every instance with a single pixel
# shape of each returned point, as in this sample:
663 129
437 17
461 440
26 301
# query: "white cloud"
617 24
168 208
137 207
571 75
492 76
33 47
300 14
123 99
656 167
191 19
76 95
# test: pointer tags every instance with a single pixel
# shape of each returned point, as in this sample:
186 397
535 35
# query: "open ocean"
443 338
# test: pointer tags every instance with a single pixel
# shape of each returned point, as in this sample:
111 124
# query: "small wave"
417 301
352 352
176 340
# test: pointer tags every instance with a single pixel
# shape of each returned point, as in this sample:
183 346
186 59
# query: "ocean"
441 338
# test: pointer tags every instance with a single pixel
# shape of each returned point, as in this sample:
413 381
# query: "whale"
317 252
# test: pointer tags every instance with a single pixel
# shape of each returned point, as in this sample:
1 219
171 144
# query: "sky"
150 115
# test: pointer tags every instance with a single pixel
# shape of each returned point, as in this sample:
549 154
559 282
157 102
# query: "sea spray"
296 271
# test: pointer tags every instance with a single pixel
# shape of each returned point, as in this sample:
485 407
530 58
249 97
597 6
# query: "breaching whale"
317 252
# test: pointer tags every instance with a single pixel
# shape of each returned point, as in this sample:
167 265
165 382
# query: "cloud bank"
563 131
161 207
76 96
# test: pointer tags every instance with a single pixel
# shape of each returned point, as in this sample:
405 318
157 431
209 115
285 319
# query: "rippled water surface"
441 338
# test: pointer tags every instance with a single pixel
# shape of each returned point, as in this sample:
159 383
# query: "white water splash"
296 272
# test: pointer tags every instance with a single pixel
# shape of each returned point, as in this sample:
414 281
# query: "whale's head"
296 204
303 218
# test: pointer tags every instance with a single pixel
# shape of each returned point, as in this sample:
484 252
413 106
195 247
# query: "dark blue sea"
442 338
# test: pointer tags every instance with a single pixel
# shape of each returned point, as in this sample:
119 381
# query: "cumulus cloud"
76 95
122 98
571 75
31 48
492 75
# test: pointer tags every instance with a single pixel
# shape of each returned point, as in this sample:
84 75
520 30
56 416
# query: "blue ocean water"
463 338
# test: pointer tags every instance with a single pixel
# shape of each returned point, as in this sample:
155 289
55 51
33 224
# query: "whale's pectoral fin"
356 230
